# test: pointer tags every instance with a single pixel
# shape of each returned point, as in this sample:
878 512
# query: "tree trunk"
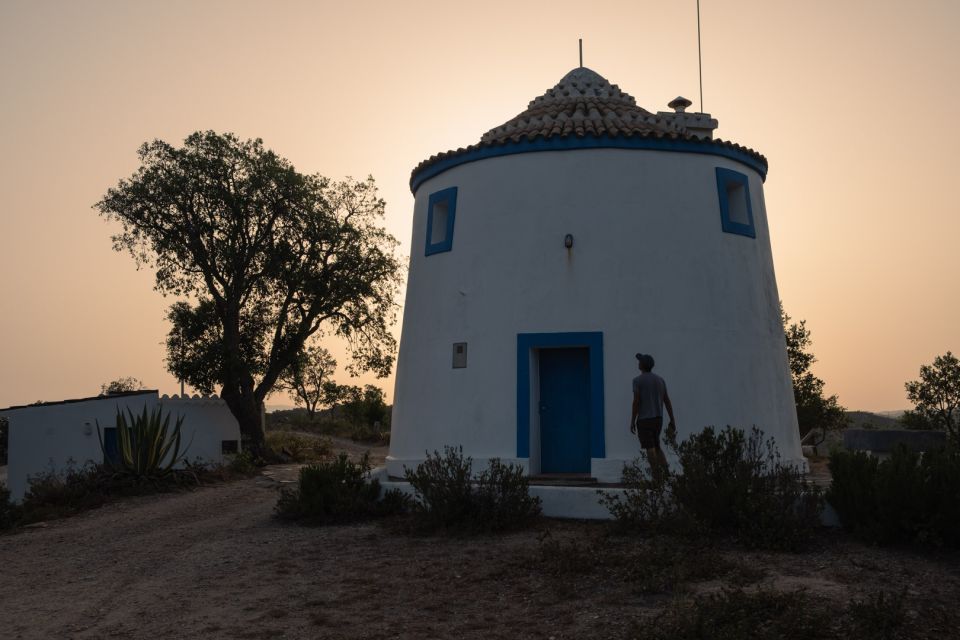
246 409
238 388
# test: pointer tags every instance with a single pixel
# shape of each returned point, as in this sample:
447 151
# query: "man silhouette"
646 420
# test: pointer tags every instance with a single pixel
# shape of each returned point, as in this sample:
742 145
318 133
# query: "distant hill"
858 420
891 414
868 420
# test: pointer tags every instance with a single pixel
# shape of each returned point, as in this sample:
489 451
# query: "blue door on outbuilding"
111 448
565 410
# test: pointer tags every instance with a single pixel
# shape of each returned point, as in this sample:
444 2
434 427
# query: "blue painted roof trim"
526 343
434 169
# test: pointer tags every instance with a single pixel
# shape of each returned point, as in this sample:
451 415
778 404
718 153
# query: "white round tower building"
543 258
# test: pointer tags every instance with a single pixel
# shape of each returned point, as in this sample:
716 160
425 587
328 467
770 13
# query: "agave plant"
146 445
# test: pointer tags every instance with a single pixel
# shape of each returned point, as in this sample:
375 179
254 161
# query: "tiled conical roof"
582 103
585 111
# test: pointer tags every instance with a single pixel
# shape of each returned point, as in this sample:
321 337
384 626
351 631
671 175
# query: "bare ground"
213 563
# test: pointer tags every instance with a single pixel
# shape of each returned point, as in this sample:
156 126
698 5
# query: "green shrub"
447 497
728 482
335 492
443 485
298 447
370 434
55 495
502 497
77 489
904 498
243 464
9 512
852 490
646 505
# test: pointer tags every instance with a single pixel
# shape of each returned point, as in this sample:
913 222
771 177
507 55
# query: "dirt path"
212 563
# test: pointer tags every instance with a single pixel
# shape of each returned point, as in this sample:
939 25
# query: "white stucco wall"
52 437
650 268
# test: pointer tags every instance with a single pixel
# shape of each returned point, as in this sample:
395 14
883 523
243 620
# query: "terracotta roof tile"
584 104
595 107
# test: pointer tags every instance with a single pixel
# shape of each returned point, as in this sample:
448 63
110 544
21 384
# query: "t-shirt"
650 388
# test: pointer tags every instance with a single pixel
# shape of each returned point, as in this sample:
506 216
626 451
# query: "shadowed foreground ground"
212 563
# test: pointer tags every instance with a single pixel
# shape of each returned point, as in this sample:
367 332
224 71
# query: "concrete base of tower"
580 501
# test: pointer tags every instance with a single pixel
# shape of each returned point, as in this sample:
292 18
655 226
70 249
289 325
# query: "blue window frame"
441 213
526 343
736 212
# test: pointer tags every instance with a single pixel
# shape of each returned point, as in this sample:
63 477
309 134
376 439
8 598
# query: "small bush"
76 489
905 498
448 499
243 464
502 497
370 434
443 488
647 504
728 482
298 447
335 492
852 492
9 513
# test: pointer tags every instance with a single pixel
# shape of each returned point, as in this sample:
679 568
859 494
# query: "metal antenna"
581 48
699 56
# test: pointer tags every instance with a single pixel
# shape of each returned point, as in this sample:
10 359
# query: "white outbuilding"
572 237
54 437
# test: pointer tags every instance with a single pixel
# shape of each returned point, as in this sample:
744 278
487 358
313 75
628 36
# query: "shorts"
648 430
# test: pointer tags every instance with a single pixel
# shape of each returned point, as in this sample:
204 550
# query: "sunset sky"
854 104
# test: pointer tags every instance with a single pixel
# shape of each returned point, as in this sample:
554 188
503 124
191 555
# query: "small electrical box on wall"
459 355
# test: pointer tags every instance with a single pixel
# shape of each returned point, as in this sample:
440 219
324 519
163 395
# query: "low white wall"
581 503
54 437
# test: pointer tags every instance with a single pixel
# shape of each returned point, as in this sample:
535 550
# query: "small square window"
459 355
736 212
441 213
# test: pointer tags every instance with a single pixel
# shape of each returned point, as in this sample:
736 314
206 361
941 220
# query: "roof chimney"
696 125
679 104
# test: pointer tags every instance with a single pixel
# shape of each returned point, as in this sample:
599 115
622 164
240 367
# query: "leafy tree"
936 395
915 420
814 411
121 385
308 378
265 257
363 407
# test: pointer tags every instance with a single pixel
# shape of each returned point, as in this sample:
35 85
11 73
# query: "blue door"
111 449
565 410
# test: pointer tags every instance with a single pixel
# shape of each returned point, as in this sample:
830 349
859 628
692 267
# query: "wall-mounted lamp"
568 240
